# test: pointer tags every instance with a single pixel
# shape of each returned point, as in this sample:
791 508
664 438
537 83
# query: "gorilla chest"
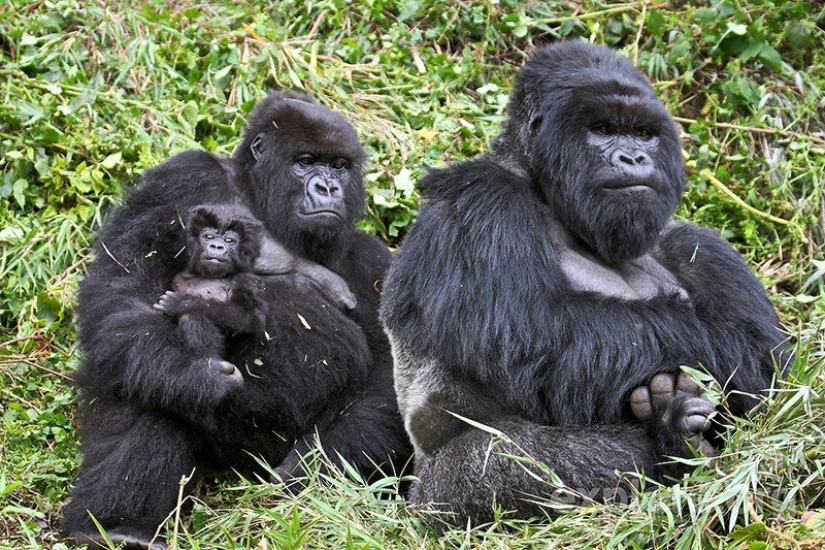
643 278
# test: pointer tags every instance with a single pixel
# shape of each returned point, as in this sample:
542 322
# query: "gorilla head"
304 164
222 240
590 131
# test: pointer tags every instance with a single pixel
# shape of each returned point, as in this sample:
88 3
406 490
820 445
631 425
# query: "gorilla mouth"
632 187
323 214
215 260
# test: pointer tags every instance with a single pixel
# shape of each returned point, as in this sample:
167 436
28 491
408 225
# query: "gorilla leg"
208 341
463 475
129 481
366 432
467 475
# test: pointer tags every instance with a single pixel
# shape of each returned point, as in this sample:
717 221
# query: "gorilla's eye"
602 128
229 240
306 160
644 133
339 164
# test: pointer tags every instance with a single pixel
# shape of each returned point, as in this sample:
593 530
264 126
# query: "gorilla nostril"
641 159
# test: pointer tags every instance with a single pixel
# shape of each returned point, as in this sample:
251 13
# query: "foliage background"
95 92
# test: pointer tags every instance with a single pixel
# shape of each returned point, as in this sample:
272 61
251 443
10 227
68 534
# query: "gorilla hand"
676 411
172 304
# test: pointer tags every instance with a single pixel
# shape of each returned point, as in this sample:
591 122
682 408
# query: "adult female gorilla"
545 291
153 410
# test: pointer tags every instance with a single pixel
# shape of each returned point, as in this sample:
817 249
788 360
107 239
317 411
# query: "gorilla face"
325 182
603 149
222 241
304 162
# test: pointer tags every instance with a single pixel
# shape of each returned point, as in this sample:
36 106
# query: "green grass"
95 92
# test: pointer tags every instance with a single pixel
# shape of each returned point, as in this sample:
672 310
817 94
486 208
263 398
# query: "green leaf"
112 160
17 189
737 28
655 22
770 58
189 115
403 182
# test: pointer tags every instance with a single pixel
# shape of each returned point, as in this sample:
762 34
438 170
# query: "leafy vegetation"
95 92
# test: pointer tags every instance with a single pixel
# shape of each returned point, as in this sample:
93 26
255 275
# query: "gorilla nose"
633 163
324 193
326 189
630 158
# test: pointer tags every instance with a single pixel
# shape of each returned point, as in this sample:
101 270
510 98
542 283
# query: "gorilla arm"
369 432
275 259
522 328
726 295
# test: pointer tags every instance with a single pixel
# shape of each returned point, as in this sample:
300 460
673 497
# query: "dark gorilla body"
545 292
152 411
218 294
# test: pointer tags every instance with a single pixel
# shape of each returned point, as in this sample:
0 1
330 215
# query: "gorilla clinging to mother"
546 293
153 411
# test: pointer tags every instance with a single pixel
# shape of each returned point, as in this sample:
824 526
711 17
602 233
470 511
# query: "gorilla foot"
675 406
119 539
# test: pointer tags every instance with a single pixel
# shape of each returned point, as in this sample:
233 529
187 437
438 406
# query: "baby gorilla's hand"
172 304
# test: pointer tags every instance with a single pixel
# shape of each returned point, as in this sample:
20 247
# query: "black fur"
151 413
218 294
543 282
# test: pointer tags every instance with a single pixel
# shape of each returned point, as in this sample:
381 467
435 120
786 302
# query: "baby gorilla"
217 294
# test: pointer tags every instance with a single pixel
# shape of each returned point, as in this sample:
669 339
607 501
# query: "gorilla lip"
633 187
322 213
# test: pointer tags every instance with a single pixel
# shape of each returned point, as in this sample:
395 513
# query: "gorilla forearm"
275 259
155 367
562 349
545 339
239 314
134 351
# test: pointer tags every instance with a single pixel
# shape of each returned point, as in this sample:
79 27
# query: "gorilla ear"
257 146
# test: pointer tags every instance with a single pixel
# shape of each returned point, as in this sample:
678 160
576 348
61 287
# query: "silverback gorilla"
546 293
152 410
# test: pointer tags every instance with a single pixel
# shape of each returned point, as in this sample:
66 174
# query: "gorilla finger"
686 384
225 368
706 449
661 389
701 445
698 405
696 423
640 404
